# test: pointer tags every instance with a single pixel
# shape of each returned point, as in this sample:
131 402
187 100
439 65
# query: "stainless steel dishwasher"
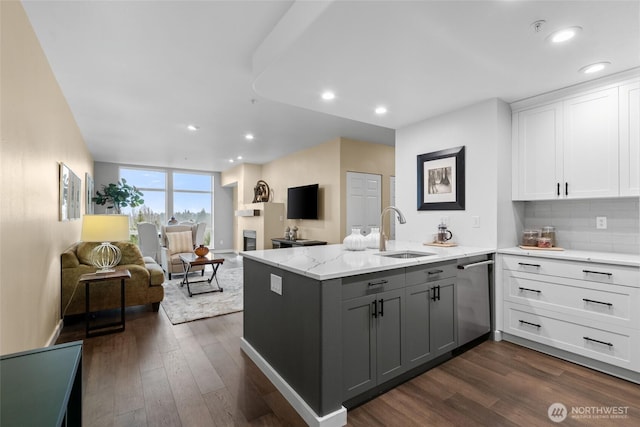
473 297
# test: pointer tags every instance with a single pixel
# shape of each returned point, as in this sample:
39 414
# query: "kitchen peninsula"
332 328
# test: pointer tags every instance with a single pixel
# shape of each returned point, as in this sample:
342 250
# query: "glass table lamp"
105 229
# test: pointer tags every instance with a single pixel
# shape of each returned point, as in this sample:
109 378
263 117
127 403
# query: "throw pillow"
180 242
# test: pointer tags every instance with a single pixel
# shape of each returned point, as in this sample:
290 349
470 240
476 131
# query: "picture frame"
88 193
65 183
441 180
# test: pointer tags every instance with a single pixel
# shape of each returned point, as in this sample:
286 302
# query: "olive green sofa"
144 286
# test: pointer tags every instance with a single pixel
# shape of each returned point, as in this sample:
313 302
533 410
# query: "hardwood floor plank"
188 399
203 372
137 418
159 403
222 409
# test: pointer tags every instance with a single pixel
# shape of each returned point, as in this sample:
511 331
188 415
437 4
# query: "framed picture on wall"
65 183
441 180
88 193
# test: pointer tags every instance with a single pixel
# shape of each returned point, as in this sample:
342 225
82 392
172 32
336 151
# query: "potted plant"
119 195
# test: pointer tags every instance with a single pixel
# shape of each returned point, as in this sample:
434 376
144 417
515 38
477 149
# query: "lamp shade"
105 228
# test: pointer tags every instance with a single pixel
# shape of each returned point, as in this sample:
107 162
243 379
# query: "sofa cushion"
179 242
83 251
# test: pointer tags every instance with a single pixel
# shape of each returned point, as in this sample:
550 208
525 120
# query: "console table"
285 243
42 387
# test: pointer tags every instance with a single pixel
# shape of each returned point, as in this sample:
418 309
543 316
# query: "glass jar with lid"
550 233
530 237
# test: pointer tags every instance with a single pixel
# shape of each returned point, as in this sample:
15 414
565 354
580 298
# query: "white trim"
334 419
55 334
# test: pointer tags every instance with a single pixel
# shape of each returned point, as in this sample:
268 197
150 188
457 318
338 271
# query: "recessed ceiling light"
193 128
239 157
230 160
564 35
381 110
594 68
328 95
248 136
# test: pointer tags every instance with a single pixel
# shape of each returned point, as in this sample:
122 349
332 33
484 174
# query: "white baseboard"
55 334
334 419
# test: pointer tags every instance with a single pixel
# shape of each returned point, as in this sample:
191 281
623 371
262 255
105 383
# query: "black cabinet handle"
598 341
433 297
524 264
558 189
566 188
530 324
378 283
438 292
375 308
435 272
596 272
381 307
530 290
597 302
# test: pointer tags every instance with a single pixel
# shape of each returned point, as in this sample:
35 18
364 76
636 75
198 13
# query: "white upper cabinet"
578 146
537 152
591 145
630 139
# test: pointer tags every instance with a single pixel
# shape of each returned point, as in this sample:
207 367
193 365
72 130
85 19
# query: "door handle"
381 307
375 308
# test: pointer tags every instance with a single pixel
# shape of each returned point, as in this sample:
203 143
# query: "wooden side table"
106 328
191 260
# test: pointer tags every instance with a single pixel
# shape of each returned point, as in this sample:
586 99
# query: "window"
187 196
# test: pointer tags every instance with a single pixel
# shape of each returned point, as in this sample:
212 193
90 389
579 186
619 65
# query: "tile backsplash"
575 222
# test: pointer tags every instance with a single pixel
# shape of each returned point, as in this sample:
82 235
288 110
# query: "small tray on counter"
442 245
535 248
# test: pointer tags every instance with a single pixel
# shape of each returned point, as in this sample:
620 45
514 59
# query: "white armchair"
177 239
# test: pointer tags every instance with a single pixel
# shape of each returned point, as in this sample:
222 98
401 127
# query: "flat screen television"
302 202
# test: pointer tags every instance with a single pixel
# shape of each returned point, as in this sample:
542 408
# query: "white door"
538 147
630 139
364 199
591 145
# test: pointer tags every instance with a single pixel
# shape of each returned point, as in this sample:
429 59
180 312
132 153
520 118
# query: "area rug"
181 308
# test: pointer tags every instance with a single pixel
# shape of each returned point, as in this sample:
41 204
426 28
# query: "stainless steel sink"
405 254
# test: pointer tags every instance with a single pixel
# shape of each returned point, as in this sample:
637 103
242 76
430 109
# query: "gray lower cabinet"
371 340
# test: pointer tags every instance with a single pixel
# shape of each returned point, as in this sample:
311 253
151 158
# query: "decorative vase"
373 239
355 241
201 250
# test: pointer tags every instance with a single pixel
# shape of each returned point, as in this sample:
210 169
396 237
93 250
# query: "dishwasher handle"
475 264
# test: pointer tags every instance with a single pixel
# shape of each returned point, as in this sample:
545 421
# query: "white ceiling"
135 73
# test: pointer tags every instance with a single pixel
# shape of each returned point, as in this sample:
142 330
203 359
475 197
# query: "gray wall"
222 239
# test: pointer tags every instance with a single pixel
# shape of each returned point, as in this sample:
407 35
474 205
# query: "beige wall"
37 131
325 164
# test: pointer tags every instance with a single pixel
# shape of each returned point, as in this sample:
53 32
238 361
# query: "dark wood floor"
194 374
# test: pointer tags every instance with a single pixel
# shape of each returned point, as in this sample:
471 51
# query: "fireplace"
249 240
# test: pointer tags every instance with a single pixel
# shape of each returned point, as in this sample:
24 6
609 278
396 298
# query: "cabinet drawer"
430 273
592 272
372 283
589 339
607 303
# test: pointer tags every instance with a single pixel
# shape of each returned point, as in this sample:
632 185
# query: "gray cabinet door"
389 331
442 316
418 346
358 345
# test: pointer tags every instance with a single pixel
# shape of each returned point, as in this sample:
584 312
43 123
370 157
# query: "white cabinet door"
538 153
630 139
590 143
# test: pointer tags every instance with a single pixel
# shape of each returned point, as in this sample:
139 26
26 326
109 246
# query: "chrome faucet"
383 238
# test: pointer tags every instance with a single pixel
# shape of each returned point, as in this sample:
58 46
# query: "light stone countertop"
573 255
333 261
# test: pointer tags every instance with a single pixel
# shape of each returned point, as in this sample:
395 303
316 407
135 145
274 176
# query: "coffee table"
191 260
